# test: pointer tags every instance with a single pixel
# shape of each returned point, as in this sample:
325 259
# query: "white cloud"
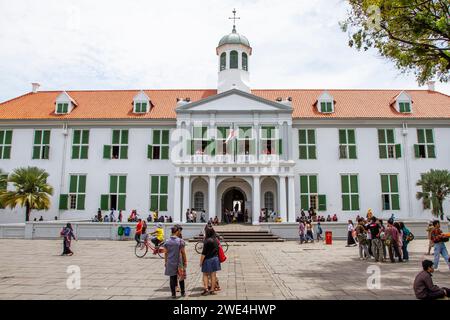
118 44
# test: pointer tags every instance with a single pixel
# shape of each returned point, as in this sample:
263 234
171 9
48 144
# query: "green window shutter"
390 135
80 201
124 138
312 152
116 137
355 202
313 184
38 137
46 137
416 151
154 203
197 132
354 184
123 152
329 107
75 152
154 184
303 152
384 183
394 183
63 202
113 184
84 152
122 202
398 150
382 151
189 149
323 107
163 203
85 137
122 184
46 154
137 107
381 136
211 148
304 201
106 152
104 202
345 202
342 136
430 150
311 136
303 184
7 152
280 146
59 108
165 137
302 136
163 185
36 152
429 136
150 152
2 136
322 202
252 144
73 184
82 184
351 136
402 107
156 137
76 136
8 136
395 202
352 152
420 135
345 184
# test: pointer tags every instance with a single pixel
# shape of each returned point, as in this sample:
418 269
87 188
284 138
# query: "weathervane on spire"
234 18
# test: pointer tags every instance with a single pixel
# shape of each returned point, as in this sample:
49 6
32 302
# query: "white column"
177 216
256 198
282 198
291 199
186 197
212 197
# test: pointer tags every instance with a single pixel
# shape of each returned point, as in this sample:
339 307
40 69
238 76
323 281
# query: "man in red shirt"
137 235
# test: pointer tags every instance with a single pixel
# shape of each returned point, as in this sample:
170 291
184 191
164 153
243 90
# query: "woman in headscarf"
67 233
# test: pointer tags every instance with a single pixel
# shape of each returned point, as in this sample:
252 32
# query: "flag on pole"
231 136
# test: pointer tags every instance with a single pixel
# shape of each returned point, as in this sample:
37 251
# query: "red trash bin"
328 237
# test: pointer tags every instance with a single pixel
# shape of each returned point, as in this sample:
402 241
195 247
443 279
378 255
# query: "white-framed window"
269 200
199 201
62 107
140 106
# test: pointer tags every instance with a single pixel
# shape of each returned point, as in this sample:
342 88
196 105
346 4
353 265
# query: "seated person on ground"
158 234
424 288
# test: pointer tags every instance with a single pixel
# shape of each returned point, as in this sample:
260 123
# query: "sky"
149 44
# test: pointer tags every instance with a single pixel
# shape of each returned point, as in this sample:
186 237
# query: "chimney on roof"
431 85
35 87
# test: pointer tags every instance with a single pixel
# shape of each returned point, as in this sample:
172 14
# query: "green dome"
234 38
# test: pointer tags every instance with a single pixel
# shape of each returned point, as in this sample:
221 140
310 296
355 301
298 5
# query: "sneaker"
183 294
174 297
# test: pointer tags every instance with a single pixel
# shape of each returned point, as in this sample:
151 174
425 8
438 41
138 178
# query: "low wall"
85 230
289 231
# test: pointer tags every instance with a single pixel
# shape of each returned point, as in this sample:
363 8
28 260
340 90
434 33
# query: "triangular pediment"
234 100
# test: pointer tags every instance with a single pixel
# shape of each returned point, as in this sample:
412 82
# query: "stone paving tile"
33 269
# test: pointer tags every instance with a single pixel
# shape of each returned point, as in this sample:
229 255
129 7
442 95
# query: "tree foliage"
435 188
31 190
414 34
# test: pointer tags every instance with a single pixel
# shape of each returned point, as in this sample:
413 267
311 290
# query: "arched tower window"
223 61
268 200
234 60
244 61
199 201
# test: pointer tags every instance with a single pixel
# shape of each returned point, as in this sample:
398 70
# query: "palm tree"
435 188
3 184
31 190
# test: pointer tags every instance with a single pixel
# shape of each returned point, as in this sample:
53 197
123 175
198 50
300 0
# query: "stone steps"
244 236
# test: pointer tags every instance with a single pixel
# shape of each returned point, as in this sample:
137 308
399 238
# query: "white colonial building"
339 151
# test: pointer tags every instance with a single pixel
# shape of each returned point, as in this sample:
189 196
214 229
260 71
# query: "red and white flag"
231 136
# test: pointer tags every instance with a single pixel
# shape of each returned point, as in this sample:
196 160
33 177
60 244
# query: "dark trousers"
173 285
405 250
437 295
394 248
137 237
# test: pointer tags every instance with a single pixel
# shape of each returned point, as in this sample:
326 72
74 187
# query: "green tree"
414 34
435 188
3 184
31 190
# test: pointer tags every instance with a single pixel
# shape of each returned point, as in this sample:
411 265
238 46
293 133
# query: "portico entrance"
233 205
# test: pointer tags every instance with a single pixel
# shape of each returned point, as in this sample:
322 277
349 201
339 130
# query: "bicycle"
199 245
141 249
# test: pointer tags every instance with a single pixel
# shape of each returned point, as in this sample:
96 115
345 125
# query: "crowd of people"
153 216
194 216
312 216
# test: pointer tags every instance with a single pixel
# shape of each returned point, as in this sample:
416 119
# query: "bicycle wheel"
224 245
199 247
140 250
161 252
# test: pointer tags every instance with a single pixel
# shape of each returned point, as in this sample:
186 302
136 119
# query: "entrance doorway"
233 206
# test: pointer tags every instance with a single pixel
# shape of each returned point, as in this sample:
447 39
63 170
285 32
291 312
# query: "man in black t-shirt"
377 245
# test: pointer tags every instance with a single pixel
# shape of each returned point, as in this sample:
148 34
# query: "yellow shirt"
159 234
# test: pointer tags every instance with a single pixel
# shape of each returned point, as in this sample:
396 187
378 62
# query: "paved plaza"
33 269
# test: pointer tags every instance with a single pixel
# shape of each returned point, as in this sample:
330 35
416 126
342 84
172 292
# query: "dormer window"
325 103
404 107
62 108
402 103
141 103
64 103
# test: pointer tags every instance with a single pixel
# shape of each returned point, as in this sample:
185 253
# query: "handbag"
222 256
410 237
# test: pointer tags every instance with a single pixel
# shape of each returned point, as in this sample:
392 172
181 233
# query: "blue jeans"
440 249
405 250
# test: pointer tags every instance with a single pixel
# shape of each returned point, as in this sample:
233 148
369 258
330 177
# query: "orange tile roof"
117 104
